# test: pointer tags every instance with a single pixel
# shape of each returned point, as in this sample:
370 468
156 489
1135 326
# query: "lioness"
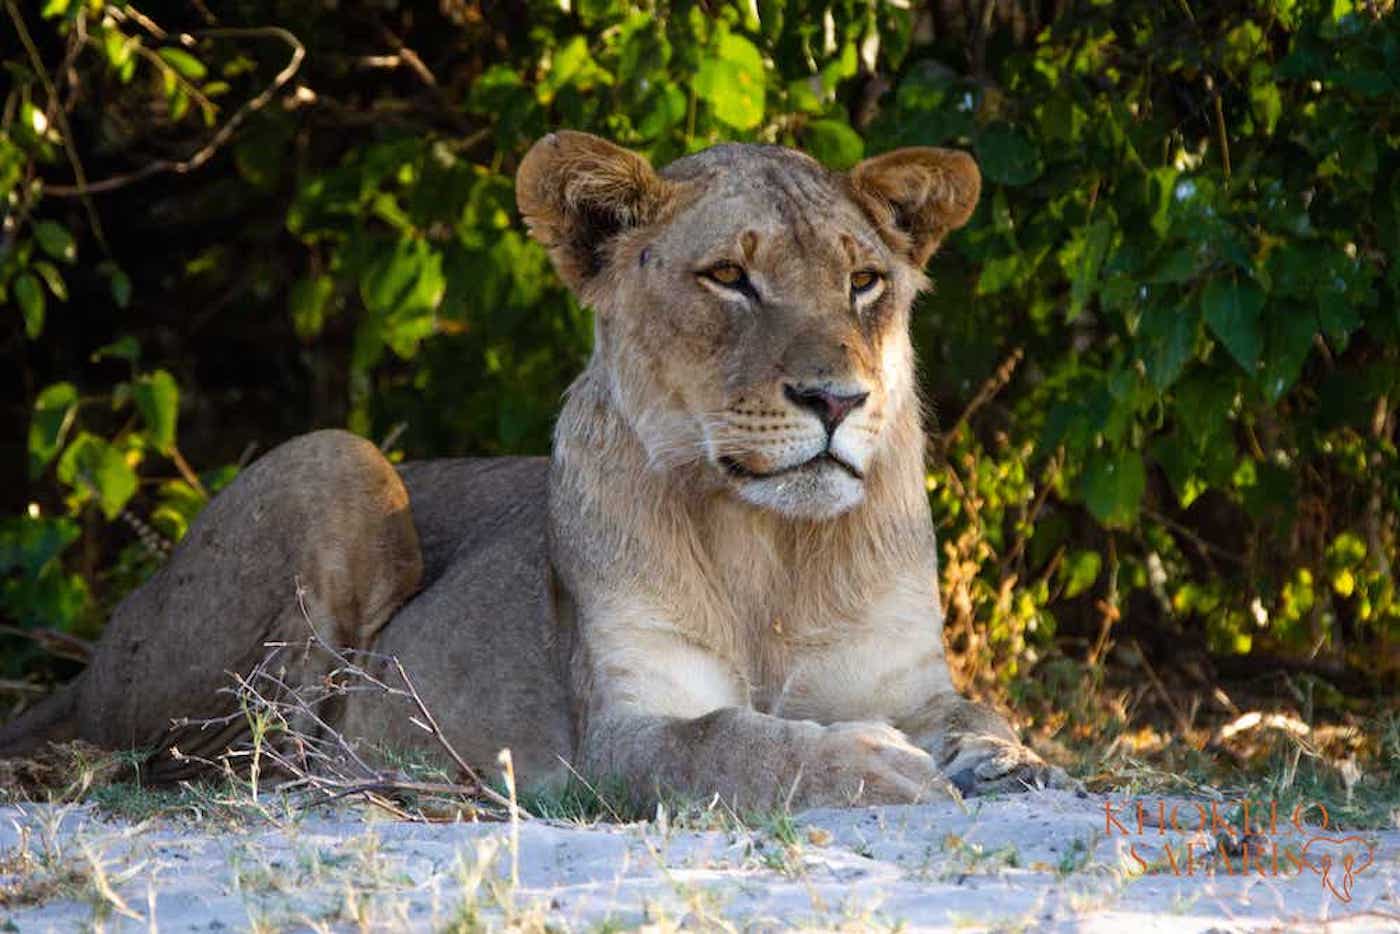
723 581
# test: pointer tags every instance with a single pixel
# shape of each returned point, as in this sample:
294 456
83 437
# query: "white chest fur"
882 668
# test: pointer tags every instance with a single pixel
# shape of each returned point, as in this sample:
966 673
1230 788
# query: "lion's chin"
816 491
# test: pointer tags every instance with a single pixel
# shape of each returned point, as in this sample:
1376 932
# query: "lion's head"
752 306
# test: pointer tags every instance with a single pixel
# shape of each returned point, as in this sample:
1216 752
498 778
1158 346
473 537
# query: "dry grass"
1282 746
49 863
287 768
32 877
61 771
291 743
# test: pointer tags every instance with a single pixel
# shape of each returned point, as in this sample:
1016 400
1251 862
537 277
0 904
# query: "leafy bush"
1165 351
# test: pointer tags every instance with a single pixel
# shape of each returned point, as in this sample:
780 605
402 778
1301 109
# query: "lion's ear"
918 196
577 192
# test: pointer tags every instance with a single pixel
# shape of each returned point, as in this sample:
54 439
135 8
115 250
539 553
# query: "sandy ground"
1042 861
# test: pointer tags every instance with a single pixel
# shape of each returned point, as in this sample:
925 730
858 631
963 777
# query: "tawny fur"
707 607
711 589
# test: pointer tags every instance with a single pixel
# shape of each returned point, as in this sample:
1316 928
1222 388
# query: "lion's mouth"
736 469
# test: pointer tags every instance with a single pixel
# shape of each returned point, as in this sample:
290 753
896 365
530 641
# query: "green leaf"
94 467
1160 189
121 288
999 273
806 95
1179 460
307 304
1267 104
30 296
1177 266
157 398
28 544
663 109
733 82
179 101
407 277
1289 340
1008 155
569 62
55 240
404 288
1231 308
260 156
1112 487
52 278
598 12
54 410
1166 338
1061 119
1242 45
1079 571
770 15
1082 259
183 62
117 46
125 348
931 107
645 49
498 91
834 144
1203 405
840 67
118 282
1337 314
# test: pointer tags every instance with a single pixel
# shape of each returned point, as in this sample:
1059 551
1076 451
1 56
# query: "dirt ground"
1042 861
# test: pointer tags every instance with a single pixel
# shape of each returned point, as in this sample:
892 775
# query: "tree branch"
217 141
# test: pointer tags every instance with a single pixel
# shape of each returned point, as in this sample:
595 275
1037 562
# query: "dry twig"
58 644
989 389
220 137
309 755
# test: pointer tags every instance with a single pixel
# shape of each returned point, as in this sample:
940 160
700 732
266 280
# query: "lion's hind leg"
317 530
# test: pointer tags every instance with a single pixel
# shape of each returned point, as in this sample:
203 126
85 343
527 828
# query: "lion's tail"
52 720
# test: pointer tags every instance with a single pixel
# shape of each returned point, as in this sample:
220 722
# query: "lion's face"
753 307
773 320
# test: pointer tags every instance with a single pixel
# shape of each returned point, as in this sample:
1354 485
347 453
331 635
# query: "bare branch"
311 758
54 111
217 141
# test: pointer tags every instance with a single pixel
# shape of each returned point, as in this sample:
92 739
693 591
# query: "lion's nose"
828 406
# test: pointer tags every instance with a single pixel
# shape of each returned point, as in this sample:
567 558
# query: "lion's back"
473 501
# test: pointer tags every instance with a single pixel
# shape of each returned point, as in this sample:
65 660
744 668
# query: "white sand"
1027 862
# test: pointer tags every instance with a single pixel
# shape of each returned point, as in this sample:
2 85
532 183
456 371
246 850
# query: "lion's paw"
982 764
873 763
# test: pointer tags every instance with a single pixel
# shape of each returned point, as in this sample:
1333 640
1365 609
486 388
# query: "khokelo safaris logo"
1239 838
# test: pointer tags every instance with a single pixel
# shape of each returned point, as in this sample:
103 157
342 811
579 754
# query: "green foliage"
1186 247
1113 485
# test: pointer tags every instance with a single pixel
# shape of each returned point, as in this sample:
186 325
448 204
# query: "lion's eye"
728 275
864 281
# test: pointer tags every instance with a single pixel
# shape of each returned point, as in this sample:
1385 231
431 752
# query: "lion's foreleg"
754 760
668 715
